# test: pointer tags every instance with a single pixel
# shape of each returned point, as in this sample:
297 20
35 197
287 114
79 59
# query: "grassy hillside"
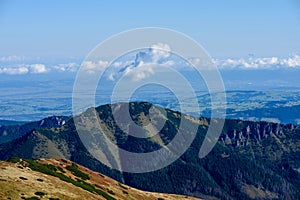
56 179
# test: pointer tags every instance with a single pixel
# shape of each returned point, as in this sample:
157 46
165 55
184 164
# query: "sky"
226 29
43 44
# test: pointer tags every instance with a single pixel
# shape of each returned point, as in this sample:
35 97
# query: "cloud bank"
24 69
66 67
143 64
259 63
38 68
14 71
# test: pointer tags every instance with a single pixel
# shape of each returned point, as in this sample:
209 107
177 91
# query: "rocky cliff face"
254 132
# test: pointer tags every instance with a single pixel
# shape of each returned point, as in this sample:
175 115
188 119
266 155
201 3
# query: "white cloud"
203 63
144 63
259 63
67 67
292 62
156 54
91 66
141 72
267 61
118 64
37 68
24 69
159 52
14 70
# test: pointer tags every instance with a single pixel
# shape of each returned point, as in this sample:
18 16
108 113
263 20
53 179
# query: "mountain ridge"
265 168
12 130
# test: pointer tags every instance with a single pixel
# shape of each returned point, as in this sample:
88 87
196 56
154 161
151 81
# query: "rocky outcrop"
254 132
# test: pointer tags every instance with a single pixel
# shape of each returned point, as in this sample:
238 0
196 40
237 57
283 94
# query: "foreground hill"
62 179
252 160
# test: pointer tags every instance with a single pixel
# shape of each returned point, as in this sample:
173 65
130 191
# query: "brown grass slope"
18 180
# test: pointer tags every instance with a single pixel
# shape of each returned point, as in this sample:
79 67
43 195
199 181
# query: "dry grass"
35 184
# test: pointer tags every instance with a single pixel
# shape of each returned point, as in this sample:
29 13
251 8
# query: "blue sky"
227 29
44 43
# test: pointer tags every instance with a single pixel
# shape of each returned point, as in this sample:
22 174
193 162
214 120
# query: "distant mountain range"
252 160
10 130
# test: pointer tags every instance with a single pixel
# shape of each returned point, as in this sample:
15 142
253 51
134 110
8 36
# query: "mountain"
252 160
11 122
62 179
11 130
